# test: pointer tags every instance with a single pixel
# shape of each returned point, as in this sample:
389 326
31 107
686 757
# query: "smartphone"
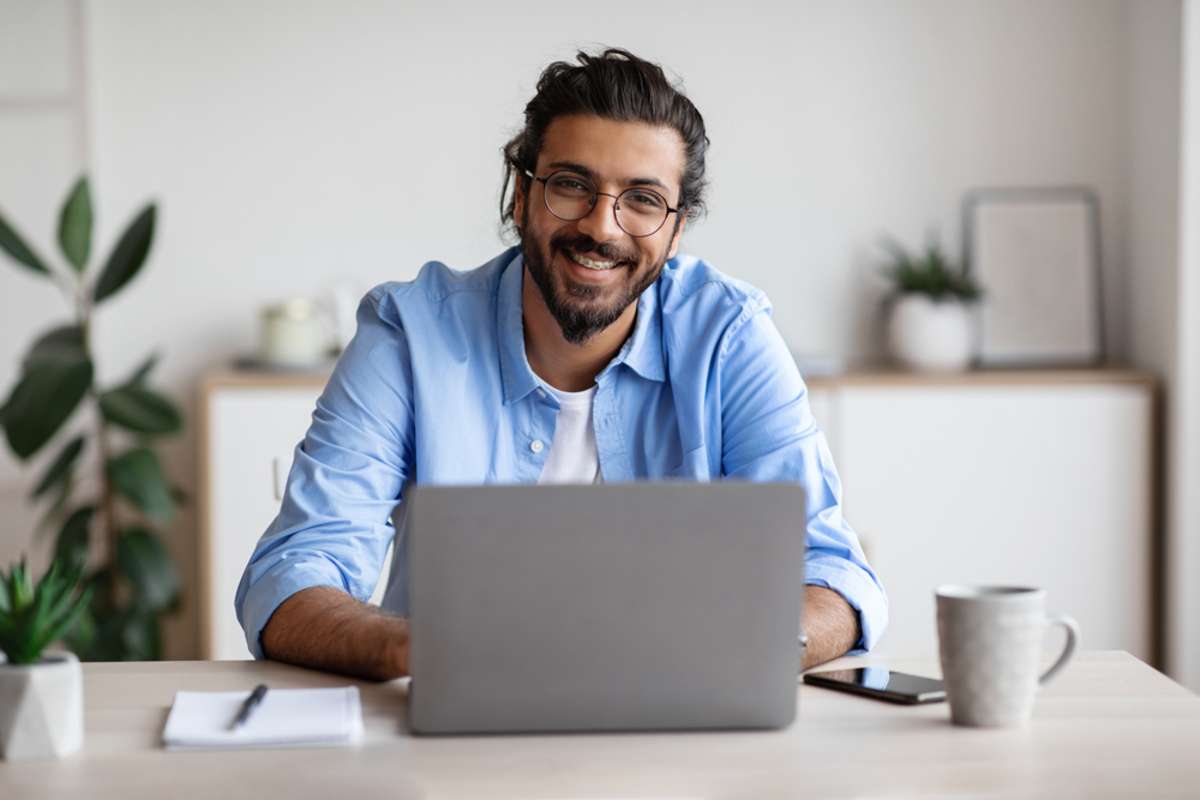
881 683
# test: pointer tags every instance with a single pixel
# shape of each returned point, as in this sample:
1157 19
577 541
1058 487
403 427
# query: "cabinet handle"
276 484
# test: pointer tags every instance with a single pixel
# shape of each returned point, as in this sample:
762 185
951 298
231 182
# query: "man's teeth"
589 263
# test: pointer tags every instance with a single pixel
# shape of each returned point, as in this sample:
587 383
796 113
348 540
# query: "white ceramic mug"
990 641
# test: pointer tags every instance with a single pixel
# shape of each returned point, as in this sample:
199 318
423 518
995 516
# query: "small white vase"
41 708
931 335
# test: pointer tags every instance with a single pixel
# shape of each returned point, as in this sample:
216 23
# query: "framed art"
1036 253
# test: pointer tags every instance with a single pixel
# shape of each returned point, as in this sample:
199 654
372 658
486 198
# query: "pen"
248 706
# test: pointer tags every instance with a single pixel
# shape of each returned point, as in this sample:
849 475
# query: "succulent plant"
33 617
931 274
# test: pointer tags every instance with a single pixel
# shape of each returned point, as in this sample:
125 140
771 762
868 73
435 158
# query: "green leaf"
141 373
73 545
43 400
128 256
63 343
140 637
145 561
75 225
138 476
59 471
140 410
12 244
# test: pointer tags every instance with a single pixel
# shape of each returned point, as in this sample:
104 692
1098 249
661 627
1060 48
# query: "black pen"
248 706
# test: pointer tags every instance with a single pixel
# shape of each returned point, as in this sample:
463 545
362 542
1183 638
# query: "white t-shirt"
572 457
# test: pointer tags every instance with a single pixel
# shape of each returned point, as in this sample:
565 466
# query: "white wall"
295 144
1184 545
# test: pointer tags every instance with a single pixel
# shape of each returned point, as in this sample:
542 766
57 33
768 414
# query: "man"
588 353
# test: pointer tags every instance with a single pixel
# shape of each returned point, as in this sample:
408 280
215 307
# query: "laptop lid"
608 607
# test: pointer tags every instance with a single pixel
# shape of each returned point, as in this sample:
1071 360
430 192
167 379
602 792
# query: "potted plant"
930 321
41 693
108 522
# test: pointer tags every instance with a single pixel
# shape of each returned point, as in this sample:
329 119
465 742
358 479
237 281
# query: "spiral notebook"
284 718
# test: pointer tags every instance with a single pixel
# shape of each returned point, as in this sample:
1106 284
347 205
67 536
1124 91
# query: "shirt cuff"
858 589
270 590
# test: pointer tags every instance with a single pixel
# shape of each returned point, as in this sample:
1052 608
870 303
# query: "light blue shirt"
435 388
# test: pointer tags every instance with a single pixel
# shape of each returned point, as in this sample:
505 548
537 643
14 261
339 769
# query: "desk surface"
1110 726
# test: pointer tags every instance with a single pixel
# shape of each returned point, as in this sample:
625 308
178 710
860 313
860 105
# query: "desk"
1110 726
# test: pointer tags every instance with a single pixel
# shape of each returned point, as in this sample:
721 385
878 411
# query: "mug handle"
1072 629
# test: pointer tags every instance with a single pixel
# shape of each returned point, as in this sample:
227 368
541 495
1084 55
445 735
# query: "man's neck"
566 366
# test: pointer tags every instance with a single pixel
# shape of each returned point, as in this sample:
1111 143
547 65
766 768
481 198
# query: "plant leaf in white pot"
41 693
931 315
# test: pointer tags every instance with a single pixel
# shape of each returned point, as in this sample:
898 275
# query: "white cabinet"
1020 479
250 430
1027 478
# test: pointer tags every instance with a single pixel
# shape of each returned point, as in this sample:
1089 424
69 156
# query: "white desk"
1110 726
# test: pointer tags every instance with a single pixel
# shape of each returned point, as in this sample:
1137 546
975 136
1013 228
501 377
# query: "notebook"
284 718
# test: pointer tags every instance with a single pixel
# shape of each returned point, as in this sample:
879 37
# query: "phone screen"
881 682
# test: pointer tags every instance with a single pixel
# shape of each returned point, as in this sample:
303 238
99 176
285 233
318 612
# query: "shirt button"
537 445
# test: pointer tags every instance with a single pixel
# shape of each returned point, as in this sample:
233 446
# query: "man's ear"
518 199
674 248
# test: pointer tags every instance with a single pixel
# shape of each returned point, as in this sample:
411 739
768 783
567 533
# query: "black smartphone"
881 683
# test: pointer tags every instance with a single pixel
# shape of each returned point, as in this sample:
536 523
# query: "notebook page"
284 718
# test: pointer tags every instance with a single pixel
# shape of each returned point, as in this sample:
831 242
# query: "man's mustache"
587 246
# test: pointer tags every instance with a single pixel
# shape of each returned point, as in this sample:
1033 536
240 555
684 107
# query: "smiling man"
591 352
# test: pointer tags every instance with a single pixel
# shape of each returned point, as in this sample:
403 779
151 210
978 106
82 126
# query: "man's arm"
333 527
768 434
830 624
324 628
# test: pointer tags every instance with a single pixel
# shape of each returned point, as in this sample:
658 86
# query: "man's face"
590 270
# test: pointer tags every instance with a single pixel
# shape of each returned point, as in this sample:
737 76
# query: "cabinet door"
251 435
1028 485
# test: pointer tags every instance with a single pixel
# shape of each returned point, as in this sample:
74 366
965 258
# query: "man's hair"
615 85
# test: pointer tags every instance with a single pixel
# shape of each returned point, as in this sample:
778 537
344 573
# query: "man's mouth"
592 263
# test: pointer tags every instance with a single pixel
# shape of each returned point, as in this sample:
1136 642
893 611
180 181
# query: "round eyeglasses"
570 196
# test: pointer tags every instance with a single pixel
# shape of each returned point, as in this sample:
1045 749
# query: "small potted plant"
41 693
930 322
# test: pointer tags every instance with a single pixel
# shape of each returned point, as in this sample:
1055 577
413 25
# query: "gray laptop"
608 607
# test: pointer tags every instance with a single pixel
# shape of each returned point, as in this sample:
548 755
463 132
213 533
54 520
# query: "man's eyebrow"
587 173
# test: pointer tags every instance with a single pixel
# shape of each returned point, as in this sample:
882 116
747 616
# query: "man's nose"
601 222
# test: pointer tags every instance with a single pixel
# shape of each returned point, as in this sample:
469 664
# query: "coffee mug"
990 642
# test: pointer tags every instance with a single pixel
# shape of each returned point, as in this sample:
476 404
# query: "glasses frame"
596 193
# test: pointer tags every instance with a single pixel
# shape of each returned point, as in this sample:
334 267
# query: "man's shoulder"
691 286
435 284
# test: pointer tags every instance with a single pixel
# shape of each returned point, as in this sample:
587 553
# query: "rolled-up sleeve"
334 525
769 434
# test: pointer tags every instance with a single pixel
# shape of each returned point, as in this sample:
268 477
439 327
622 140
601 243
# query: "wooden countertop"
1109 726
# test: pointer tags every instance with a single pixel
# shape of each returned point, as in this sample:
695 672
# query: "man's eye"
570 185
646 200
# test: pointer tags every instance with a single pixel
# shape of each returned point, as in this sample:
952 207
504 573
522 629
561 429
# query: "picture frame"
1035 251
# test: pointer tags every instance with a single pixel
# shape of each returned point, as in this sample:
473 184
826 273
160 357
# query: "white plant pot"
41 708
931 336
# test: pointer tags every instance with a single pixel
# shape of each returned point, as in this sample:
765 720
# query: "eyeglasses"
570 196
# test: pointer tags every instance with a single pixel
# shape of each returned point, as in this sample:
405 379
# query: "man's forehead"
622 151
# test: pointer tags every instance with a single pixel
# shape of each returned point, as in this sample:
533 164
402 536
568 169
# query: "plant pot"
41 708
931 335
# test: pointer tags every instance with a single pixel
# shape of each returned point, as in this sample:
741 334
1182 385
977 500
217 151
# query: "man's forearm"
830 623
324 628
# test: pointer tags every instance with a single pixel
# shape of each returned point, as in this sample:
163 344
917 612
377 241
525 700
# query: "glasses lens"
641 212
569 196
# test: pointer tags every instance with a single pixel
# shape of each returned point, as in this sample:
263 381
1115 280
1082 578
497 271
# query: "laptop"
642 606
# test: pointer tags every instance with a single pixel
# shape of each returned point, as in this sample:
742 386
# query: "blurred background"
299 153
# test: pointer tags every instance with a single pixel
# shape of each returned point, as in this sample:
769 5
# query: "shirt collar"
642 351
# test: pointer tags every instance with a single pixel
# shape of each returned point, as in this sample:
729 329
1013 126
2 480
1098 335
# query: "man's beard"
574 305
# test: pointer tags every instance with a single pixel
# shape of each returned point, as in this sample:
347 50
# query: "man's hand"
325 628
830 623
